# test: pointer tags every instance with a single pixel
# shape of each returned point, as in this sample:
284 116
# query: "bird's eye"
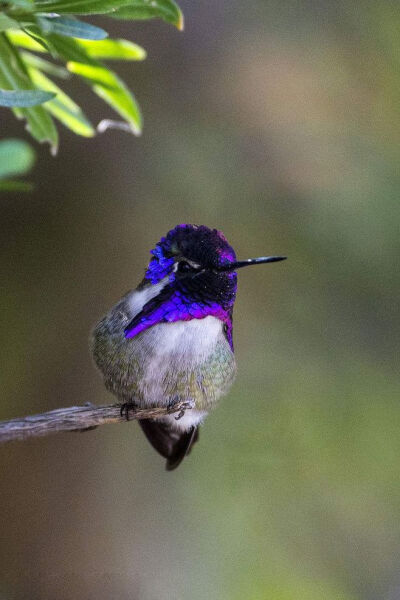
184 267
188 266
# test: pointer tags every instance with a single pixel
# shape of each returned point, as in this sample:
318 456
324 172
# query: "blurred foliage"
16 158
51 27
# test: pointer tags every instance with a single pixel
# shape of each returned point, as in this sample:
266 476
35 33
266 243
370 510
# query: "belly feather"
167 362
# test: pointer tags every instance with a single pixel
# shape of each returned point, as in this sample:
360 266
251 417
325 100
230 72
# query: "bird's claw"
125 408
183 408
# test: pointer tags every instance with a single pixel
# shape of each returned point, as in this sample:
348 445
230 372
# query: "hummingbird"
169 340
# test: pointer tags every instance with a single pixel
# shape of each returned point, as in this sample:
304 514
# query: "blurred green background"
277 123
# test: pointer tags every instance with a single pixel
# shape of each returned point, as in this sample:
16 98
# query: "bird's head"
194 269
190 257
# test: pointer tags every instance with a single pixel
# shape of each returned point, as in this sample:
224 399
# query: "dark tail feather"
171 444
182 448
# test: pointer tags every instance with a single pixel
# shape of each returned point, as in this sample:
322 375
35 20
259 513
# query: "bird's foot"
172 406
126 407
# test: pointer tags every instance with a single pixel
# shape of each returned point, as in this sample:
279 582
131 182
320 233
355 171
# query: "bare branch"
78 418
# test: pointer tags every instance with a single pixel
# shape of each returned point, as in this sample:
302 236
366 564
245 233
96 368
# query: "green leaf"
113 49
35 33
63 107
31 60
112 90
24 98
102 80
80 7
16 158
108 49
69 49
167 10
14 76
71 28
15 186
22 39
40 125
7 23
25 5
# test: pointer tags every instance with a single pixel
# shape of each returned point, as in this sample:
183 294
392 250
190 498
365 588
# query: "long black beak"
251 261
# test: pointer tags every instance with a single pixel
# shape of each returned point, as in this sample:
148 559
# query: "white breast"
196 336
167 349
136 299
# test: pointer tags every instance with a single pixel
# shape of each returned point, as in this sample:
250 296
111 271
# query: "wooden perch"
79 418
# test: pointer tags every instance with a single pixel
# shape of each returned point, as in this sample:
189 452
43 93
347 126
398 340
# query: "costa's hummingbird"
170 339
